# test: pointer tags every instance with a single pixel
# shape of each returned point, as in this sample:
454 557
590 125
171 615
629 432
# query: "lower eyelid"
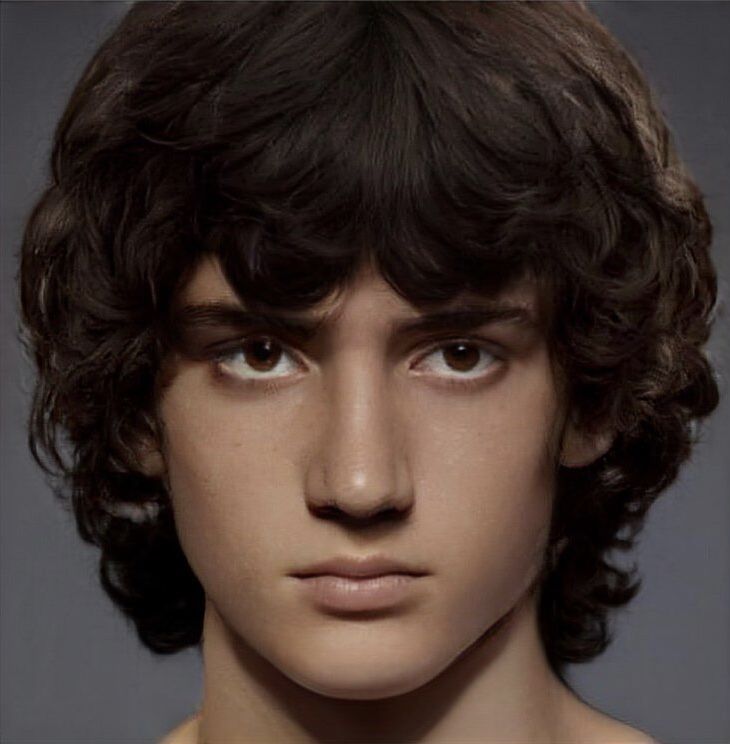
457 381
281 379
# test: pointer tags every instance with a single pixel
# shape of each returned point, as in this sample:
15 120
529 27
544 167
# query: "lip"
352 584
358 568
348 594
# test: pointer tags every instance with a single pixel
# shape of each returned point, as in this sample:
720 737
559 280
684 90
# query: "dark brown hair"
457 145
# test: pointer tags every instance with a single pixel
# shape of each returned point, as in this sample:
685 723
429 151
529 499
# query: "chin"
361 684
367 673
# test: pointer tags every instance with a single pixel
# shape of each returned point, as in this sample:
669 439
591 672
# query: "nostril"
328 511
355 519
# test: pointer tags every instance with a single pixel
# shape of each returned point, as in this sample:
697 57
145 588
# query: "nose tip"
360 479
364 496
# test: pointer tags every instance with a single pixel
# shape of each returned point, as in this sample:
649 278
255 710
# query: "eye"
471 361
255 358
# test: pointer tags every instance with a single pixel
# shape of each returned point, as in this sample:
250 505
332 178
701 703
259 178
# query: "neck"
498 689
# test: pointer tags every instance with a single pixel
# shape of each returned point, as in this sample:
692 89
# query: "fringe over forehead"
457 146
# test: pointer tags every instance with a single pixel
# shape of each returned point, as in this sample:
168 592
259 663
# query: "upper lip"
374 565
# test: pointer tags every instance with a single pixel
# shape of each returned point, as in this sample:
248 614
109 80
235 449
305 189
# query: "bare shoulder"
611 731
585 724
617 732
185 733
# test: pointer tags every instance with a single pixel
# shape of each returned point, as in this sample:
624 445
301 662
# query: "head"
355 167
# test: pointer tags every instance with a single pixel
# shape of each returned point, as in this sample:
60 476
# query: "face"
433 448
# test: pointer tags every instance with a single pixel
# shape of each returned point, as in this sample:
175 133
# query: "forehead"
368 291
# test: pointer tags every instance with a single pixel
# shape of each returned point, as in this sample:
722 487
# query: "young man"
374 328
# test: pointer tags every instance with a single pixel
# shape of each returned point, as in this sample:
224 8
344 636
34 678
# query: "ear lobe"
150 460
581 448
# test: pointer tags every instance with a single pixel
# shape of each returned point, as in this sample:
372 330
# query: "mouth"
357 593
359 568
358 584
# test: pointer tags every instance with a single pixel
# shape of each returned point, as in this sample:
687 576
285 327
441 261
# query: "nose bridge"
361 462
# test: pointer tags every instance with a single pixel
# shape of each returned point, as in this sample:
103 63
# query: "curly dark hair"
457 145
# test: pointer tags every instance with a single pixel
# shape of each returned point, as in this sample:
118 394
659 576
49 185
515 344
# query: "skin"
456 479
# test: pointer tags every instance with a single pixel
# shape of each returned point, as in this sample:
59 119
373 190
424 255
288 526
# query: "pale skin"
457 478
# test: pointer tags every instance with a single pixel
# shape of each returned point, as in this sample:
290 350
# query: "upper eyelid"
433 344
492 346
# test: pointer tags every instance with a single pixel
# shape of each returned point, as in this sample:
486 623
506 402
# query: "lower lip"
348 594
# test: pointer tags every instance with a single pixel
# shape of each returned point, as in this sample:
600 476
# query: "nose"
360 470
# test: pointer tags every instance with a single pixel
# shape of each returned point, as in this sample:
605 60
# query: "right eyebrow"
217 313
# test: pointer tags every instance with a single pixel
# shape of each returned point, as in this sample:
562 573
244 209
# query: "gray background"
72 670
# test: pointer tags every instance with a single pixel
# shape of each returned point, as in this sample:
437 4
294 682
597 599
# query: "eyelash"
273 385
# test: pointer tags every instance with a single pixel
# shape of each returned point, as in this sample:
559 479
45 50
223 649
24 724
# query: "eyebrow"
463 316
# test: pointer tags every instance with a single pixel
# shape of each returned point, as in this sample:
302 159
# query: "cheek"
224 478
487 481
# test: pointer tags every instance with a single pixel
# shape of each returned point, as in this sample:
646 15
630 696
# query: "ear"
150 459
581 447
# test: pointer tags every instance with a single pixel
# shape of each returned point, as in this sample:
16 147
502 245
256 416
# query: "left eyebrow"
465 316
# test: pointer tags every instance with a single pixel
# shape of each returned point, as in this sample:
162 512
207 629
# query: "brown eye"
254 358
462 357
262 354
461 362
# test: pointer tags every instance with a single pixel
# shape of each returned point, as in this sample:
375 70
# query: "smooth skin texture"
457 479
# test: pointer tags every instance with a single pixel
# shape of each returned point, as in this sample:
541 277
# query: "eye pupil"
464 360
261 351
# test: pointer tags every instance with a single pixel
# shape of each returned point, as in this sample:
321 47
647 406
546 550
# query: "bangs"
394 144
